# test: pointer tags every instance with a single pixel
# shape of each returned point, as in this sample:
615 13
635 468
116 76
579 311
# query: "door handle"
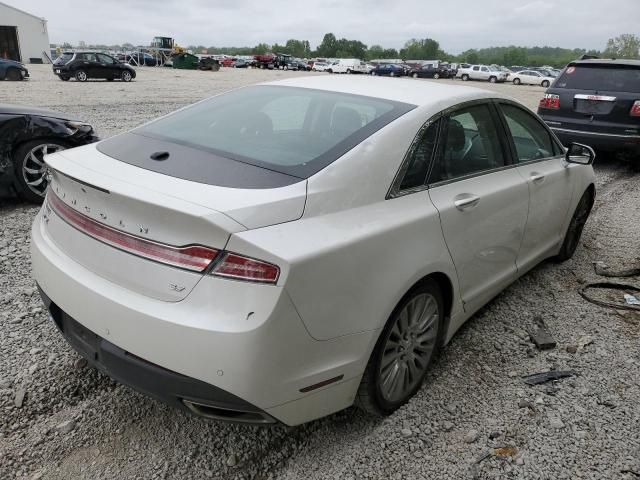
466 201
536 177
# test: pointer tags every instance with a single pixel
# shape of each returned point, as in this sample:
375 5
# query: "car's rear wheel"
81 76
126 76
404 351
545 83
13 74
465 77
349 71
31 172
436 76
574 232
516 81
493 79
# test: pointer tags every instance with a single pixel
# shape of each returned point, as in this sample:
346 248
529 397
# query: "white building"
23 36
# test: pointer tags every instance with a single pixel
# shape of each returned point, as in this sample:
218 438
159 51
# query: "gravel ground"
474 418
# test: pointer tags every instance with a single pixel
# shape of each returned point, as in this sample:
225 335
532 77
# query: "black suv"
597 102
85 65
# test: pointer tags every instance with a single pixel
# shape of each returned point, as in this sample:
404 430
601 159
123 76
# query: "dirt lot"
60 419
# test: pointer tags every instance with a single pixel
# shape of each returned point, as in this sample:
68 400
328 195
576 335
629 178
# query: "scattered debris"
471 436
497 452
631 300
447 426
601 269
526 404
18 400
584 341
505 452
584 292
65 427
544 377
572 349
542 338
406 432
232 460
555 422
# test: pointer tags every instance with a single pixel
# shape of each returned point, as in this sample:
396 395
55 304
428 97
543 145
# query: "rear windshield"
296 131
599 77
64 59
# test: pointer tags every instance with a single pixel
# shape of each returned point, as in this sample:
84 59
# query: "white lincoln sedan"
283 251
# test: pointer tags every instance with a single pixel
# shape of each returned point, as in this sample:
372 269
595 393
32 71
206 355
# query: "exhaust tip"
226 414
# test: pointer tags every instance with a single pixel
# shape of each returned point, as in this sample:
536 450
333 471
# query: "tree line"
623 46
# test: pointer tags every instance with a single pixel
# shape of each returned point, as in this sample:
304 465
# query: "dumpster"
185 61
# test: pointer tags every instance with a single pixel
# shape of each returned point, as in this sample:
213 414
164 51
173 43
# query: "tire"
126 76
396 348
465 77
81 76
545 83
392 74
516 81
415 75
109 79
286 67
493 79
63 78
13 75
436 76
348 71
329 70
574 231
373 74
31 175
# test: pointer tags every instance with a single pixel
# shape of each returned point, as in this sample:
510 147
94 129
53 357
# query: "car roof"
394 89
607 61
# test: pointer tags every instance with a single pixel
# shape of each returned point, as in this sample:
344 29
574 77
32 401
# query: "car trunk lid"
152 207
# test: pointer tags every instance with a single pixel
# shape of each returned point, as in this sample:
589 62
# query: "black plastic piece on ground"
544 377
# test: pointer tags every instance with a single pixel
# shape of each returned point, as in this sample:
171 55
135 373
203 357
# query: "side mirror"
579 153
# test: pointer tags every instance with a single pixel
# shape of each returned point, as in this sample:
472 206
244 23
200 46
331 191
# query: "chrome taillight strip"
191 257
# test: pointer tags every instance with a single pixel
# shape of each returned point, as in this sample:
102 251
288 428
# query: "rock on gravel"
65 427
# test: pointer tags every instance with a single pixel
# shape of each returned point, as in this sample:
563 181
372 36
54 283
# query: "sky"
457 24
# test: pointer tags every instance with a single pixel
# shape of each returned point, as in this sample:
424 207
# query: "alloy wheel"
126 76
34 170
409 347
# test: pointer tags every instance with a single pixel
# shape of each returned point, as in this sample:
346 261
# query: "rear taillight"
192 257
550 101
196 258
244 268
635 109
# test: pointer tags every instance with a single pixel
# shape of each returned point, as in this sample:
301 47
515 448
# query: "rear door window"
600 77
471 145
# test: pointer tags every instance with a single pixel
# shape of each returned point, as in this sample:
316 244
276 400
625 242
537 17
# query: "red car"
227 62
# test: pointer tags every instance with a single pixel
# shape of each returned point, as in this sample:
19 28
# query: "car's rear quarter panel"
354 254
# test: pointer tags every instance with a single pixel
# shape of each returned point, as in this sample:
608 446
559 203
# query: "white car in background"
247 263
320 66
531 77
347 65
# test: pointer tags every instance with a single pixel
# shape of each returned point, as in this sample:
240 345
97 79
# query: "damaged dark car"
27 134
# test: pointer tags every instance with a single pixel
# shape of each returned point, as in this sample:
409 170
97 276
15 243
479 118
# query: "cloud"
457 25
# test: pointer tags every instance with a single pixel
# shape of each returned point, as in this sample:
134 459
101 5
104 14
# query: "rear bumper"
170 387
601 141
246 340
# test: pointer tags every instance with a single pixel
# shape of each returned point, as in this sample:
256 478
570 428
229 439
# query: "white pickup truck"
482 72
